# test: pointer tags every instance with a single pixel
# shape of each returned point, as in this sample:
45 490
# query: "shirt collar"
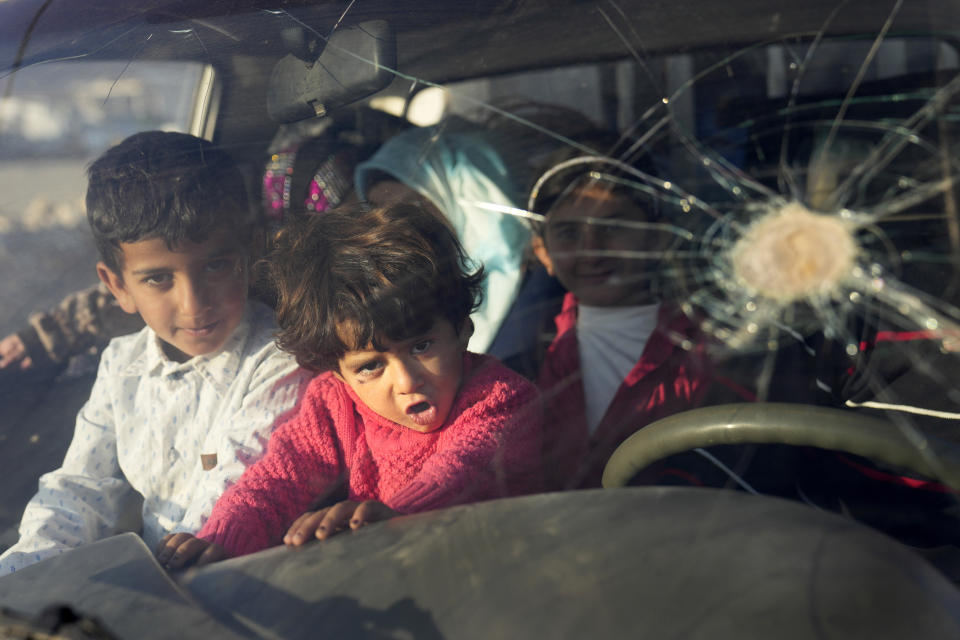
219 368
635 320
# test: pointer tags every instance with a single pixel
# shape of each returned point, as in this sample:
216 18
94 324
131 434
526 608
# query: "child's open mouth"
423 413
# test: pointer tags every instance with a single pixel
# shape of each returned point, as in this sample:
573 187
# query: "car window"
54 120
678 206
734 125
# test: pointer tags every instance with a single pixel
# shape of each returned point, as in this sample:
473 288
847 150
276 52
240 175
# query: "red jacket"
667 379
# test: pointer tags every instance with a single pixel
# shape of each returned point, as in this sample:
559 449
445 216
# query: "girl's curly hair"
356 276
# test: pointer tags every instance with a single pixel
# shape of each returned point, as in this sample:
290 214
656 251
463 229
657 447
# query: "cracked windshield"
277 273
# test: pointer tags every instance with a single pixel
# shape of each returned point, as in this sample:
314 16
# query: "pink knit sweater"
489 447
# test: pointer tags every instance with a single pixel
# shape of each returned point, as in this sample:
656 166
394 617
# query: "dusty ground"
45 248
45 253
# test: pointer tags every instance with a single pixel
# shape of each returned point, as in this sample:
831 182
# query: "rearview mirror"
355 62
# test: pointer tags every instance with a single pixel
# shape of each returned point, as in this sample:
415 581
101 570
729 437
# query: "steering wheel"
903 446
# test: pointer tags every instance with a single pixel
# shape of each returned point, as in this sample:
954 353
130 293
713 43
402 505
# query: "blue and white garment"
465 177
159 441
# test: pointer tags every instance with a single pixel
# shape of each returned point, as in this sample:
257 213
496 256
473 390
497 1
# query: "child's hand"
326 522
14 352
178 550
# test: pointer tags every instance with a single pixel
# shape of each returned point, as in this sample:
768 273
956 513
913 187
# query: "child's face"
593 260
414 382
193 297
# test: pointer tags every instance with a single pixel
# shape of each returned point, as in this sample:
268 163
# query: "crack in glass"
808 180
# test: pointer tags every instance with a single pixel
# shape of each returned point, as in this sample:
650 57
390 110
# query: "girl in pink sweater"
379 302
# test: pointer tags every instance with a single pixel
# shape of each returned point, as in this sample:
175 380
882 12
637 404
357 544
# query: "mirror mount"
303 45
354 63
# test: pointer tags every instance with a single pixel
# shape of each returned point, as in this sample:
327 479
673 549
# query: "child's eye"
367 367
216 266
421 347
158 279
565 233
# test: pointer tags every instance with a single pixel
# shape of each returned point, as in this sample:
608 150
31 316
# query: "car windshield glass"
54 120
720 243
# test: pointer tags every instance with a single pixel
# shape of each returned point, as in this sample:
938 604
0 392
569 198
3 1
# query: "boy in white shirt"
179 409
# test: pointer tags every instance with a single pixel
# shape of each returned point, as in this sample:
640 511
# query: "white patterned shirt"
159 441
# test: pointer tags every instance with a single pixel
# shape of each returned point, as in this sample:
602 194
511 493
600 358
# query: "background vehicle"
847 107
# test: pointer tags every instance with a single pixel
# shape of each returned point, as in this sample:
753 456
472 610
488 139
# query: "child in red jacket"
379 302
624 354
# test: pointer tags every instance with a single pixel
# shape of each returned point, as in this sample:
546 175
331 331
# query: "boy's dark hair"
357 276
569 169
169 185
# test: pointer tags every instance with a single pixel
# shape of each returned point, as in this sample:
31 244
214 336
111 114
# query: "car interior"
736 112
